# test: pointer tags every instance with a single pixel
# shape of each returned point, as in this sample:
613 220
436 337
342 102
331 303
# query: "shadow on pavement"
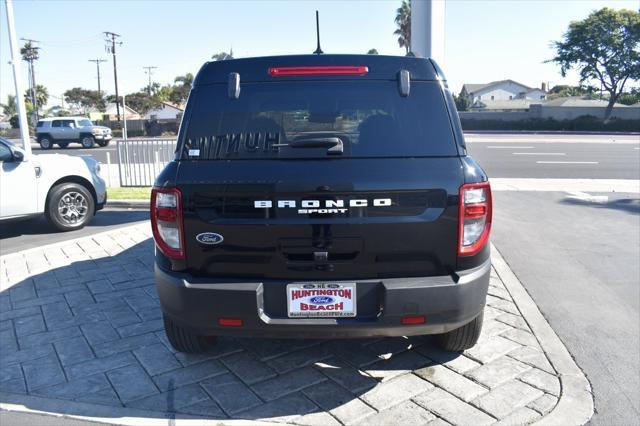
92 331
24 234
629 205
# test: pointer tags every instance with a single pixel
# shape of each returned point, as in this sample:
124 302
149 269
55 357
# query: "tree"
42 95
85 99
222 56
462 102
605 46
631 97
372 52
10 108
181 90
142 102
564 90
403 21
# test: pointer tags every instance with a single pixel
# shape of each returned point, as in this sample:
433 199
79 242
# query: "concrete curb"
575 406
128 204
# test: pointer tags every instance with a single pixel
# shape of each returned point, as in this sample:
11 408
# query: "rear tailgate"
319 219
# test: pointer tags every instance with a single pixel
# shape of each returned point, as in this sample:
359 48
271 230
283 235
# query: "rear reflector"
230 322
412 320
319 70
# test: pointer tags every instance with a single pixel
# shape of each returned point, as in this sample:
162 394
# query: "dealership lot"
573 247
81 322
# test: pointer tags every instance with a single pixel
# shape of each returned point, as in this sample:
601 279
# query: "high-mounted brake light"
319 70
166 221
475 218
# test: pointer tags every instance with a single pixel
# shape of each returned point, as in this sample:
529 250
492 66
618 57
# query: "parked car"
65 130
67 190
321 196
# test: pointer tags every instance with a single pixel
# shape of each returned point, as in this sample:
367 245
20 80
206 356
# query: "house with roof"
111 113
502 90
166 111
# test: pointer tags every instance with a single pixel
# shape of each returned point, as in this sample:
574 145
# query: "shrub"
582 123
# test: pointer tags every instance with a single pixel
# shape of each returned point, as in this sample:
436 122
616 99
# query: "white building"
503 90
166 111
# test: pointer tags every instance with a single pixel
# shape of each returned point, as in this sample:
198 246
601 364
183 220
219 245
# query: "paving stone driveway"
81 321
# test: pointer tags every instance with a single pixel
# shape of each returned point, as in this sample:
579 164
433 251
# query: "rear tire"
87 141
45 142
185 341
461 338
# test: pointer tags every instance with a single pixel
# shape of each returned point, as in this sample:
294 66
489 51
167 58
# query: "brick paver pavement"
81 321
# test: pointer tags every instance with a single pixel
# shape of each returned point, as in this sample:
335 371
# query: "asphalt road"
579 262
544 160
26 234
509 155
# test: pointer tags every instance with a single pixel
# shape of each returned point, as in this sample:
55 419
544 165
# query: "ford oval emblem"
209 238
321 300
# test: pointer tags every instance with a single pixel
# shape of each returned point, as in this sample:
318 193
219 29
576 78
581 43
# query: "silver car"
65 130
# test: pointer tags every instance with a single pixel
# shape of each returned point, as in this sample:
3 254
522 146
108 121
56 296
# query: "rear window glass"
321 119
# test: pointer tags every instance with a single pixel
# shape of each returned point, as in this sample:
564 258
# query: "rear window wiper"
334 145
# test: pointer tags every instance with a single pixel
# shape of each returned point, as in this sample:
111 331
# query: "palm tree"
403 21
184 80
221 56
180 92
10 108
42 95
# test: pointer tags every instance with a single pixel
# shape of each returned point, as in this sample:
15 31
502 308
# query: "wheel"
63 145
461 338
103 143
184 341
87 141
70 206
45 142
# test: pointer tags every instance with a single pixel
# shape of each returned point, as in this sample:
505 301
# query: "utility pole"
149 70
111 38
98 61
31 55
17 78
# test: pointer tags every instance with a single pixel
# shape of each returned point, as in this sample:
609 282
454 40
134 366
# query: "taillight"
166 221
475 218
319 70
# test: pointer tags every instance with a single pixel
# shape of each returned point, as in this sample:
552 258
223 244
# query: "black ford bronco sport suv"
321 196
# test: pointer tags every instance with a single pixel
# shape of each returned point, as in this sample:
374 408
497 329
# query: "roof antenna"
318 50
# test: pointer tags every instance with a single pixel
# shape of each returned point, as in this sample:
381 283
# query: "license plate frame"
339 292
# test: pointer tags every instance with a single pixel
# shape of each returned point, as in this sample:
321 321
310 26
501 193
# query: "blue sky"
485 40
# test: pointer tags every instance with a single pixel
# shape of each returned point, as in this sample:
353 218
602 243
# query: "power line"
149 71
98 61
111 37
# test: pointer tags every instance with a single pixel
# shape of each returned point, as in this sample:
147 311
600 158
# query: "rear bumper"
448 302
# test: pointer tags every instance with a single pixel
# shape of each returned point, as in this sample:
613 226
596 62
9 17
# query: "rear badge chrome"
209 238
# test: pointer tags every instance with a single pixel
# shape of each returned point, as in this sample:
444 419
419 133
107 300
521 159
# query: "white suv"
67 190
65 130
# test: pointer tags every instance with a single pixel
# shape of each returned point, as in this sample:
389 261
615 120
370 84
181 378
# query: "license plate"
325 300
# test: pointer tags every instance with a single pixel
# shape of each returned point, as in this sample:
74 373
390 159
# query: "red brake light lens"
475 218
319 70
166 221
